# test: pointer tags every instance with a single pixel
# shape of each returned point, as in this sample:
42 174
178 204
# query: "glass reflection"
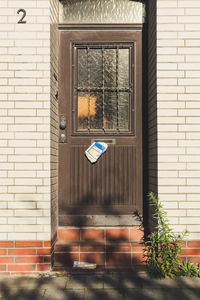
96 67
123 68
90 113
102 11
110 110
110 67
82 68
123 111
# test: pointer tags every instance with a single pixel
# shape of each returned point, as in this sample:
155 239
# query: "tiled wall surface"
27 108
25 121
178 81
109 248
24 257
28 134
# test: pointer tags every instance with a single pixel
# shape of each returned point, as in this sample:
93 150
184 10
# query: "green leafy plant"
163 247
189 269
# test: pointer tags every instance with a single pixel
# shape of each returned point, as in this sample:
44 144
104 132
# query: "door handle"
62 122
62 127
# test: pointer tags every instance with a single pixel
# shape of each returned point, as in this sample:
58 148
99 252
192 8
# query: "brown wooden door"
100 97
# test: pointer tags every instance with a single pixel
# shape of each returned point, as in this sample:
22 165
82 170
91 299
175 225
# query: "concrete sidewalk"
90 286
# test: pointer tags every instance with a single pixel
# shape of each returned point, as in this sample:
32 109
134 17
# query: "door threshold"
99 220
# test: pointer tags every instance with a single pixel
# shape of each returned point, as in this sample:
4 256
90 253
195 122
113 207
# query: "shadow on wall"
150 157
110 248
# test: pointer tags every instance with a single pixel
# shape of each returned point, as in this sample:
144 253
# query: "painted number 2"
21 10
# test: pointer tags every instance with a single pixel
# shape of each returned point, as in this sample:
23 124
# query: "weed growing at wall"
189 269
163 247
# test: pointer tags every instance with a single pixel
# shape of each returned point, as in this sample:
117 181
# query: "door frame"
116 220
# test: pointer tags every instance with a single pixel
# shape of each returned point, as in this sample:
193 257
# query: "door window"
103 88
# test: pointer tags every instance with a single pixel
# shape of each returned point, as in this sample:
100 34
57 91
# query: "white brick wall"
28 138
25 120
178 33
54 8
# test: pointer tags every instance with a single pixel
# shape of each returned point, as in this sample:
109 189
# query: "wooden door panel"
113 185
104 186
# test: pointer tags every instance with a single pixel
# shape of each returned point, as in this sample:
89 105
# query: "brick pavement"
104 286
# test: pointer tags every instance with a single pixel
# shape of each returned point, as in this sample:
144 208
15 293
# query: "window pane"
104 90
110 110
90 112
96 111
83 99
110 68
96 67
101 11
82 68
123 76
123 111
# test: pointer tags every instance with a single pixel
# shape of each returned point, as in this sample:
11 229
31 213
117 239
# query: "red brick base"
24 257
191 251
109 248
